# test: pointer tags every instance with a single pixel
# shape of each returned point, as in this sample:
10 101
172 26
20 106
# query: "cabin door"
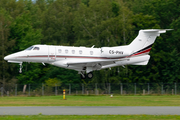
51 53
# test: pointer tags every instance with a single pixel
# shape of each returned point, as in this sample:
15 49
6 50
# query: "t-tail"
142 45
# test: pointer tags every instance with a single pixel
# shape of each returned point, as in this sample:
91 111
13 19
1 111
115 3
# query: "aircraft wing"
93 62
87 61
91 65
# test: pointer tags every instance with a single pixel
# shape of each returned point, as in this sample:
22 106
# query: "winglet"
156 30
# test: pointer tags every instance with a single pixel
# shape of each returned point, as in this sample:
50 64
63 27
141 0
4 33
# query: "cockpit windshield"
29 48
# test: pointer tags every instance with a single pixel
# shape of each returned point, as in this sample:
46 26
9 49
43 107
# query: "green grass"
93 117
91 101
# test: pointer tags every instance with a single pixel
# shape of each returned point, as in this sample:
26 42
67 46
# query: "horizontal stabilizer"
141 63
156 30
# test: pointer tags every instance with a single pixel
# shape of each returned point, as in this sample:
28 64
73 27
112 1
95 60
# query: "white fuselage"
77 58
85 59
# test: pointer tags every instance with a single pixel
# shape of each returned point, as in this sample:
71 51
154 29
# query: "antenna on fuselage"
93 46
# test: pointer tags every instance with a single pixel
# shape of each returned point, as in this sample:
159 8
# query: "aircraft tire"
90 75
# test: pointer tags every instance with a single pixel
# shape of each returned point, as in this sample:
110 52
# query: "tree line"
86 23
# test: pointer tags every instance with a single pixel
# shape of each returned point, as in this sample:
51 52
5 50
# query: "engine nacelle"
111 52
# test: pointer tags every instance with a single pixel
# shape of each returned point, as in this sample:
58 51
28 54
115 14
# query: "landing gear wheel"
90 75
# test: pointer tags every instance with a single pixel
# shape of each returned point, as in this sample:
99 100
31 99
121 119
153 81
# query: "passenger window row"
73 51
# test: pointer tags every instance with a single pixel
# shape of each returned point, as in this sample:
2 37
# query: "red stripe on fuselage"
145 51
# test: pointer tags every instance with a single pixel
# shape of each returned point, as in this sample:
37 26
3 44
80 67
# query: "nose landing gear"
20 69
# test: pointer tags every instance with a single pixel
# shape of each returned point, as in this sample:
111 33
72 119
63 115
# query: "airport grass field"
92 117
165 100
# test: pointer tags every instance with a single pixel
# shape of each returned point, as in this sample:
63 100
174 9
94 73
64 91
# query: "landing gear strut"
20 69
82 75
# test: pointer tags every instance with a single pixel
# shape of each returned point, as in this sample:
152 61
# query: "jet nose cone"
6 57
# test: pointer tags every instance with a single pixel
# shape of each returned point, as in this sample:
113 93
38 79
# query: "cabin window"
66 51
73 51
36 48
80 51
91 52
59 50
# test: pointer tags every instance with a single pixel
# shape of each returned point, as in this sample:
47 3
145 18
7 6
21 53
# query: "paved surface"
95 110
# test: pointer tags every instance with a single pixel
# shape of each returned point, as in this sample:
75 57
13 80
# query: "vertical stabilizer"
144 41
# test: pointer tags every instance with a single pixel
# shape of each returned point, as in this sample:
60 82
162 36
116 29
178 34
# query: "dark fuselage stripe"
144 49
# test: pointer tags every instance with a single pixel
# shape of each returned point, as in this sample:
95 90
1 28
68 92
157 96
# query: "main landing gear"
88 75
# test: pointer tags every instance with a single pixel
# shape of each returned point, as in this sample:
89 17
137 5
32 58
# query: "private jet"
87 59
